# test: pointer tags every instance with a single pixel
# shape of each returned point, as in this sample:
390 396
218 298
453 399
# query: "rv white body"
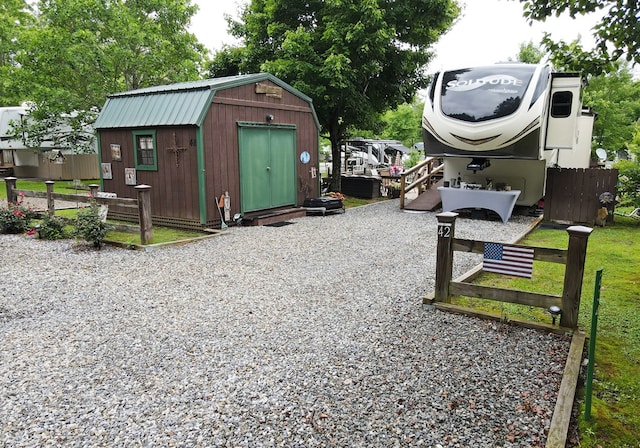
520 118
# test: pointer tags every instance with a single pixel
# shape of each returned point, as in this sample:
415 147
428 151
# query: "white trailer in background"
507 123
48 160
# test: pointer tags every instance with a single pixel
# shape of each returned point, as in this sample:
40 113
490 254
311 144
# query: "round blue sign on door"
305 157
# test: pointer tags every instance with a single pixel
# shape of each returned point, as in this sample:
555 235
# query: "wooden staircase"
427 201
425 178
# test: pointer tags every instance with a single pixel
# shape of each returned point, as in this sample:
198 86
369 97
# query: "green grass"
350 202
160 235
615 420
61 186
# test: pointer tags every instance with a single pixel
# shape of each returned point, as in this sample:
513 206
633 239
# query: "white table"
501 202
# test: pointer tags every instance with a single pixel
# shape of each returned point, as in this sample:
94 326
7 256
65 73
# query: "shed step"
272 217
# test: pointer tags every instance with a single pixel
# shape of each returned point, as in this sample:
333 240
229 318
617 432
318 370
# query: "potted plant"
393 190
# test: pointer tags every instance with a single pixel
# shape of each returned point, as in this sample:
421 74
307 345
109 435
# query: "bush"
89 226
15 218
52 228
629 182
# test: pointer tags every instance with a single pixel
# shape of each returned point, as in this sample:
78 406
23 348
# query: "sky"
487 32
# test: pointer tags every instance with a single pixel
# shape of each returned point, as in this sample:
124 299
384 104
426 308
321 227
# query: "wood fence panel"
573 195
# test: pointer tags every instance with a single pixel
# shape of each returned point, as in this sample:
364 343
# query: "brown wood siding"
174 192
220 130
174 186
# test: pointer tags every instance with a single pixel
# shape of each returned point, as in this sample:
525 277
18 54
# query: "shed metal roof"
179 104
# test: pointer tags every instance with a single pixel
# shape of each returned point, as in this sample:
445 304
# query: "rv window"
561 104
432 88
484 93
145 148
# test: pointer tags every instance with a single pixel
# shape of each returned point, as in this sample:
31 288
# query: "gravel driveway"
307 335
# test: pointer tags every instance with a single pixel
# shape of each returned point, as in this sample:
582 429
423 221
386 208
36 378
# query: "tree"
615 97
15 17
530 53
79 51
354 58
629 172
404 123
617 35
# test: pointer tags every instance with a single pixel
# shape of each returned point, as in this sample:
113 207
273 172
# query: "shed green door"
267 167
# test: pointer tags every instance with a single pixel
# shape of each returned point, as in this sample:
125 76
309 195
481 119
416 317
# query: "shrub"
89 226
52 228
15 218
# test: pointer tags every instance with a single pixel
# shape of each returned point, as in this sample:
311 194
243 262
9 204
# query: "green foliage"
615 97
414 158
617 35
89 226
15 218
629 174
79 51
52 228
15 17
530 53
355 59
404 123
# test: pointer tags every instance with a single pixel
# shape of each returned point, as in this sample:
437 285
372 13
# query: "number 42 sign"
444 230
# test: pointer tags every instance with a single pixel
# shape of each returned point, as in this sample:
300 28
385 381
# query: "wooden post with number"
573 275
444 255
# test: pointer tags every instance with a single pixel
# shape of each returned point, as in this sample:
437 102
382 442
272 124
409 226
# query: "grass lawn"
61 186
615 420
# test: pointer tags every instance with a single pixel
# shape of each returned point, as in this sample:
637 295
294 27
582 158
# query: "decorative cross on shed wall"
177 150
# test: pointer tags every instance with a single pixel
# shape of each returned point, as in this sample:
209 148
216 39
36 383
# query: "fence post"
144 213
444 255
51 206
11 186
403 184
573 274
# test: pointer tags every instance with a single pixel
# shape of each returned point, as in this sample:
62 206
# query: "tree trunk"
335 135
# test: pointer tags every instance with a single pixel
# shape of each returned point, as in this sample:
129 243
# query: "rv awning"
399 147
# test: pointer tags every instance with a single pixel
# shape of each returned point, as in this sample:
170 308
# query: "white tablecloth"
501 202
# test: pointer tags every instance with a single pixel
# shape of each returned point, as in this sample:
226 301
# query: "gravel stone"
306 335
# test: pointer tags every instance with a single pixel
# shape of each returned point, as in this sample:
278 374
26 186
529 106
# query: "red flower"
18 213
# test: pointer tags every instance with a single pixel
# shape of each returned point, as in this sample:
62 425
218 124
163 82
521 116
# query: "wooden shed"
250 138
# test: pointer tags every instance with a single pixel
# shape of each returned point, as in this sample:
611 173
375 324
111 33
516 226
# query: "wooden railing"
420 174
142 203
573 258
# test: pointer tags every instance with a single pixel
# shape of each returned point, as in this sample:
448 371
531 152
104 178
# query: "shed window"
145 146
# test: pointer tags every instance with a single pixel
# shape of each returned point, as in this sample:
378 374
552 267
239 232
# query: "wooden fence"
573 258
142 203
573 195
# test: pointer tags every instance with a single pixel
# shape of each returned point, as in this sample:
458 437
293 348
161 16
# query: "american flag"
510 260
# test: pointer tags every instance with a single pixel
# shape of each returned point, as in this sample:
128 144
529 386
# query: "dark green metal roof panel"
184 103
169 108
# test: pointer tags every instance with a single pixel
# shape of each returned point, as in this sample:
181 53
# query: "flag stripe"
510 260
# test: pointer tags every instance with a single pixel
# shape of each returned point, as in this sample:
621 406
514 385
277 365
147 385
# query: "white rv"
507 123
46 161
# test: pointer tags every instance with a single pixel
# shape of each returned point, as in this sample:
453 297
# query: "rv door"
563 111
